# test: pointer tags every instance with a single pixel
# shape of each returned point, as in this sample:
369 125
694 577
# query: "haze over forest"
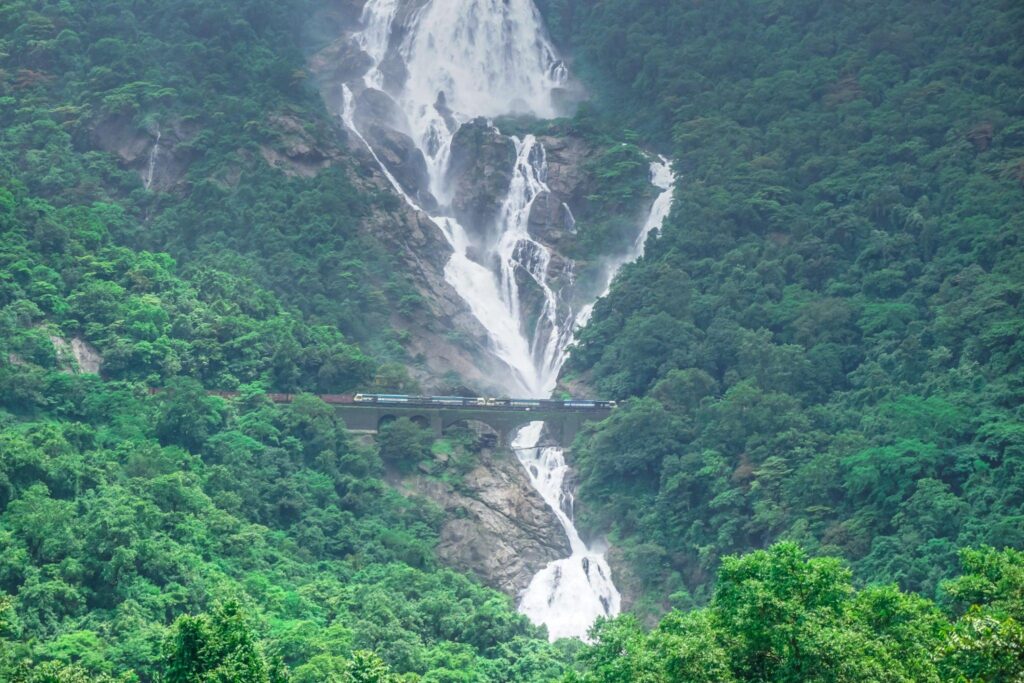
767 256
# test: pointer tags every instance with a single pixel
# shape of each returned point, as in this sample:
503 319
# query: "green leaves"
780 616
221 647
831 316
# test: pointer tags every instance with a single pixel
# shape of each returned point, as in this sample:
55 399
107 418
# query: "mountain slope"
828 333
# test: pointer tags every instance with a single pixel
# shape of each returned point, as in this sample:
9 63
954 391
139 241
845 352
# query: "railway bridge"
369 412
562 423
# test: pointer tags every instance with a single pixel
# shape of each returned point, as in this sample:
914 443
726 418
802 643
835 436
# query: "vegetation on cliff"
825 344
194 100
122 513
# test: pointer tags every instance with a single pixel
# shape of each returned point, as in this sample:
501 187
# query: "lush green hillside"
121 513
826 343
778 616
84 92
824 347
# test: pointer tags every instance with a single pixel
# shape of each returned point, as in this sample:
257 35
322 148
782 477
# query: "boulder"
374 106
342 61
479 174
551 221
297 152
403 160
161 156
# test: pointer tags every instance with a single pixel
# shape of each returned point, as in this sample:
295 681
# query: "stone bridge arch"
420 419
562 424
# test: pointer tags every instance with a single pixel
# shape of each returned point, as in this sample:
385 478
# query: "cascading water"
663 179
154 154
568 595
462 59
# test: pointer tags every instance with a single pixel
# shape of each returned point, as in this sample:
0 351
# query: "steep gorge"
419 85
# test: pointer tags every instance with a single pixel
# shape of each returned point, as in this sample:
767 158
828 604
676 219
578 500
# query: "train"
485 402
525 404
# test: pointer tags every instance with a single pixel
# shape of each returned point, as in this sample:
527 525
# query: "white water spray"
153 156
463 59
664 179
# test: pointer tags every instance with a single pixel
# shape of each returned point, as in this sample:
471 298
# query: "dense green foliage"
225 82
120 511
824 346
64 276
777 616
827 342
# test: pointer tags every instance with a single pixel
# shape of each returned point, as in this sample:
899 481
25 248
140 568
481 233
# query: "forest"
826 343
816 472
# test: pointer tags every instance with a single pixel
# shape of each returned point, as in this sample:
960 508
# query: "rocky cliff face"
479 174
497 526
78 356
160 156
551 219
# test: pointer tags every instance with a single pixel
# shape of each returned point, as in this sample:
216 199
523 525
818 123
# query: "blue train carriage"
524 403
382 398
451 401
587 404
402 399
465 401
576 403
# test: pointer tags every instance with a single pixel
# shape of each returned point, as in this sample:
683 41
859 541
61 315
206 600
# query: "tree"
402 442
220 647
187 416
987 642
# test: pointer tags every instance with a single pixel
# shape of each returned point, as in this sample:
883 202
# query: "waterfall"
568 595
663 179
151 166
444 63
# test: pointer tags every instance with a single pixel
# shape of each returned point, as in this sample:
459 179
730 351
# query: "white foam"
489 58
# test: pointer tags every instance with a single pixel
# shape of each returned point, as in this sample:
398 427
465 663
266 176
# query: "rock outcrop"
497 526
77 356
296 152
381 122
338 63
160 156
551 216
479 174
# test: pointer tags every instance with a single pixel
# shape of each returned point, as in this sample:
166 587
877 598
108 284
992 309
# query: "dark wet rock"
441 106
404 160
374 106
380 121
567 157
497 526
551 221
342 61
166 146
392 67
480 172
